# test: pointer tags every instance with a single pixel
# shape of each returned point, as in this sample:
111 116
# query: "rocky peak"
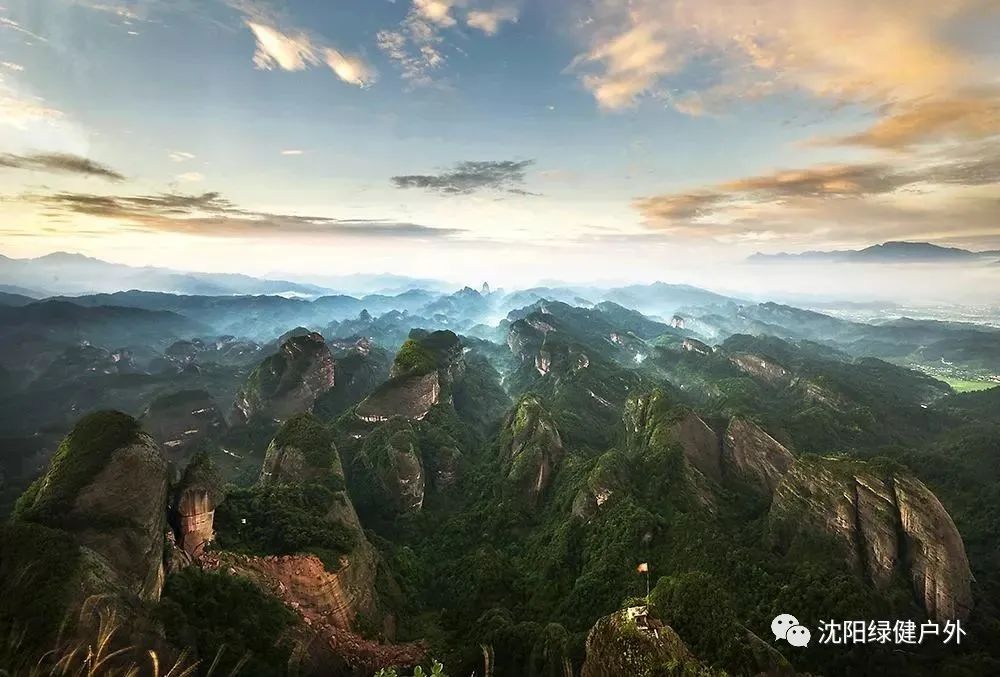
885 523
530 448
288 382
423 373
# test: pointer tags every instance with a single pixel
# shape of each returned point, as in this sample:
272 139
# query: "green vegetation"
39 570
284 520
315 440
967 386
414 359
80 457
217 614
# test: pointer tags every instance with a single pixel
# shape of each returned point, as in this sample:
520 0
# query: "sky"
515 140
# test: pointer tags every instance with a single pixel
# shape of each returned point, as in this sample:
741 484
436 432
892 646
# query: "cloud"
490 21
190 177
931 121
11 66
60 163
292 152
845 51
948 194
286 51
291 49
211 214
180 156
469 177
417 44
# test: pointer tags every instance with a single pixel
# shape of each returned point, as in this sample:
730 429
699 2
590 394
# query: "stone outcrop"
288 382
763 369
530 448
752 454
180 421
631 642
885 523
199 493
409 396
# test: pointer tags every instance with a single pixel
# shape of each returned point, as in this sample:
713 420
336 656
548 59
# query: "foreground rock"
631 642
288 382
88 537
107 488
884 522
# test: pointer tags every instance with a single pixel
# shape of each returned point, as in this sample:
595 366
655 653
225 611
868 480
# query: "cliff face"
754 455
630 642
288 382
530 448
885 523
181 420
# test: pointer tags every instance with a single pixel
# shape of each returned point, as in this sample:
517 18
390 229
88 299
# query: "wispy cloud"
292 152
212 214
961 118
940 194
180 156
846 51
469 177
417 44
293 49
190 177
61 163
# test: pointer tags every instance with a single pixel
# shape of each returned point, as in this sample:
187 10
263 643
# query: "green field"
965 386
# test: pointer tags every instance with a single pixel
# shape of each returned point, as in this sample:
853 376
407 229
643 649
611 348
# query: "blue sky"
526 139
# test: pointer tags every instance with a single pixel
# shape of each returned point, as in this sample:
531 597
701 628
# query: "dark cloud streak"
65 163
214 215
469 177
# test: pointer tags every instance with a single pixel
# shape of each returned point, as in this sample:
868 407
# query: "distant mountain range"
889 252
73 274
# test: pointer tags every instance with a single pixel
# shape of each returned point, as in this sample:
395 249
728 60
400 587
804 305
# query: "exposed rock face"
700 444
410 397
107 488
288 382
179 421
390 458
756 456
885 522
632 643
763 368
695 346
530 448
198 494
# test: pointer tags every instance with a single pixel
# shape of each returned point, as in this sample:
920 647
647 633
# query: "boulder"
199 493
